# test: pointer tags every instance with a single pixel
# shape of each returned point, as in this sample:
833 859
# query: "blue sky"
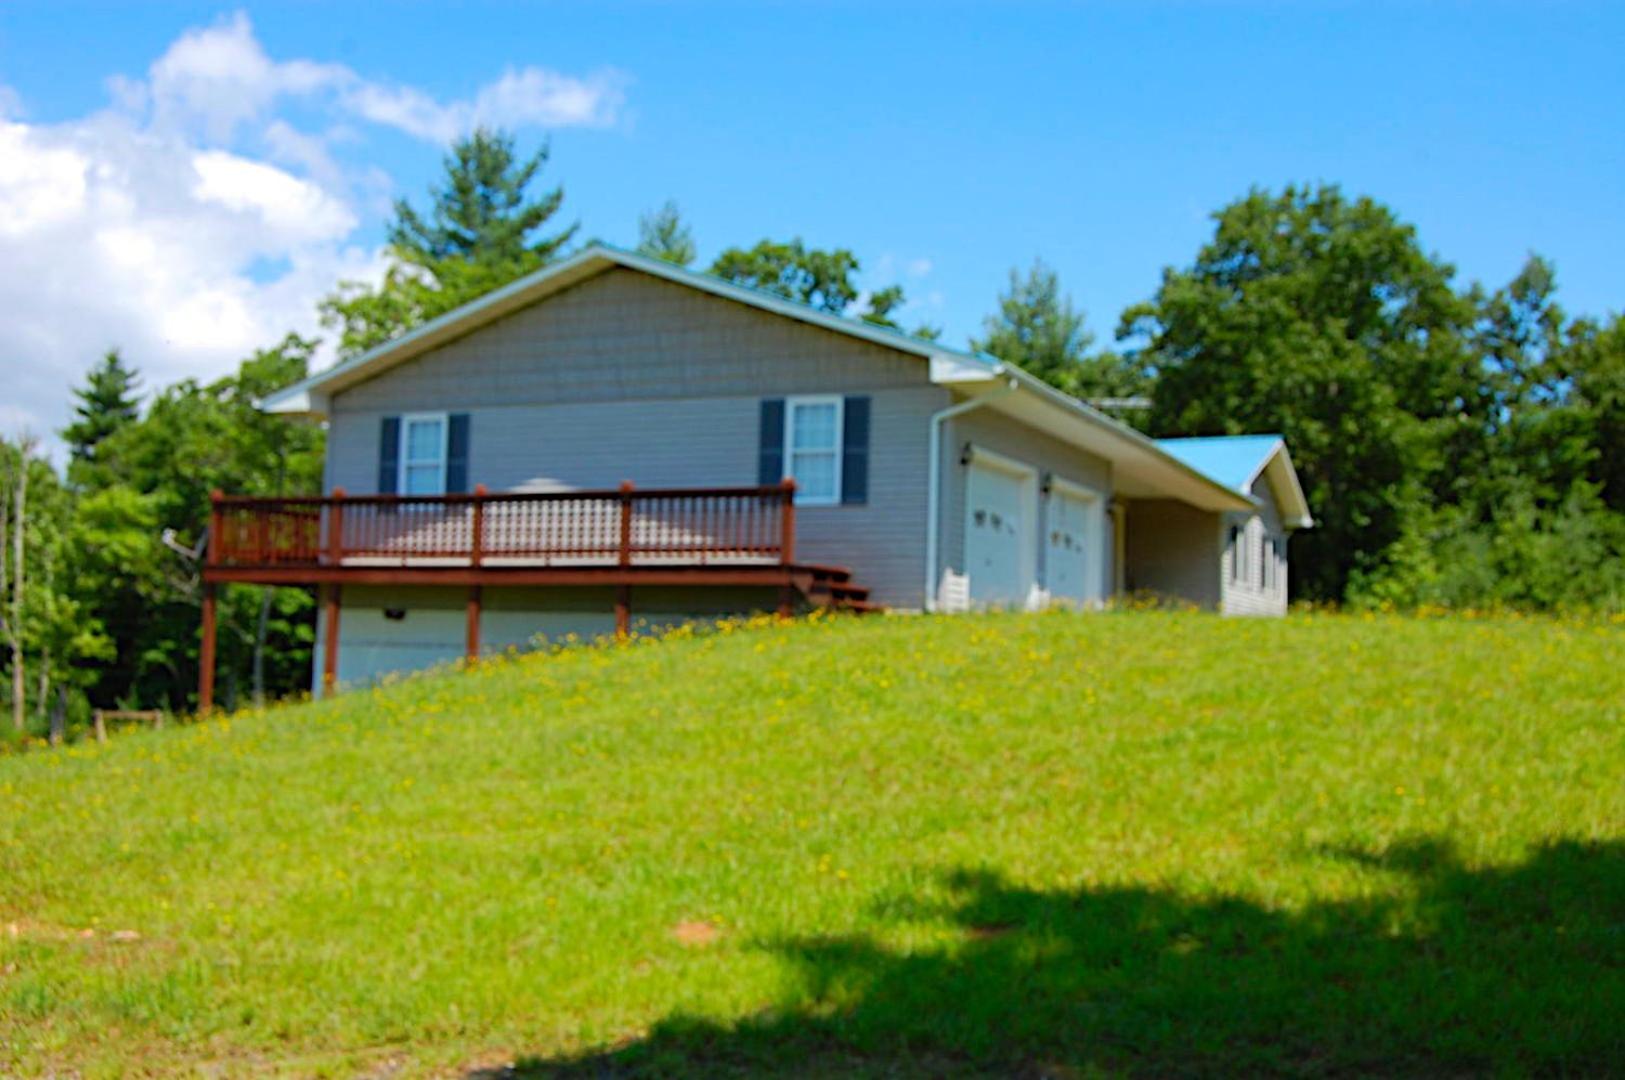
943 143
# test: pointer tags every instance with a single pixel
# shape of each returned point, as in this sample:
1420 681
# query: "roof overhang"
312 396
1282 477
1140 468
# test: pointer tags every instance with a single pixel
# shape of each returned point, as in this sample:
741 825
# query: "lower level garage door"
1073 544
1000 547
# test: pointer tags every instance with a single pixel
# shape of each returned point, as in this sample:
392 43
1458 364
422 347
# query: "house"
615 438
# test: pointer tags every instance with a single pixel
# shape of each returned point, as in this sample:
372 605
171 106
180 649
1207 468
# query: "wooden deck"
627 537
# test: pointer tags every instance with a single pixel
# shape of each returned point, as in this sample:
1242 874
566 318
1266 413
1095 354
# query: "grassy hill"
1038 845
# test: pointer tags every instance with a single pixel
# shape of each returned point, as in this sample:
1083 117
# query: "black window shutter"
770 444
457 454
855 450
389 455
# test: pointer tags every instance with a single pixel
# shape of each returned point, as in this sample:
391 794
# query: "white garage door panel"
999 541
1073 547
371 646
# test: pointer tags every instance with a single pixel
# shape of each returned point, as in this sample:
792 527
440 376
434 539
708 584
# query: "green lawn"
1040 845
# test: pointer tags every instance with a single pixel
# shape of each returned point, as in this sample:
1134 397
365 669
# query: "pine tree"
106 403
1037 328
482 212
481 231
665 235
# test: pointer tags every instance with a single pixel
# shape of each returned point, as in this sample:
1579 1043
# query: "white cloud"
290 209
39 185
526 97
118 235
919 268
219 76
189 223
219 79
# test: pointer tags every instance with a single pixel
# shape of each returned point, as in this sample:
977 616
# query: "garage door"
1000 548
1072 545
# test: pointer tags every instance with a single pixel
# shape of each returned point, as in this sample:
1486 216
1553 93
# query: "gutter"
933 491
1084 411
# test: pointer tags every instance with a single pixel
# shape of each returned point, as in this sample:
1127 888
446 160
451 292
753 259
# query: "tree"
106 403
820 279
1038 329
1591 367
483 229
882 302
664 235
817 278
195 438
1319 317
19 564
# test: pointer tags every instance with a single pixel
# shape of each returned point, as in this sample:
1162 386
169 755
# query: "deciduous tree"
1320 317
811 276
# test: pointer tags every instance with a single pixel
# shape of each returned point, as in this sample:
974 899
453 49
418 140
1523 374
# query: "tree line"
1459 445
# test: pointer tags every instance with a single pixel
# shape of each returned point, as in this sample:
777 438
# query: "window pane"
423 480
814 475
423 440
813 427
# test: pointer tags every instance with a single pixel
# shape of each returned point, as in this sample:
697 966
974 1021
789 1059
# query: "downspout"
933 490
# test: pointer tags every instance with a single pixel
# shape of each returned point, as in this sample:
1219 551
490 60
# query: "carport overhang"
1140 468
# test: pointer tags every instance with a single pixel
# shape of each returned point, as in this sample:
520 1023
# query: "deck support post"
623 612
205 657
787 600
330 642
475 601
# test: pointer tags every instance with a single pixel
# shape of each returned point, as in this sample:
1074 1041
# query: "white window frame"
442 460
790 405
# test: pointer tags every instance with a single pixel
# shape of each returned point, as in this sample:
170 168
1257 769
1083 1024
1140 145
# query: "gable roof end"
1239 460
311 396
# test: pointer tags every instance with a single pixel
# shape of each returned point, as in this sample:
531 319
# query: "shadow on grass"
1455 971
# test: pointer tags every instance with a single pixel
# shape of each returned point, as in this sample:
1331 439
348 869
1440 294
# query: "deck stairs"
832 587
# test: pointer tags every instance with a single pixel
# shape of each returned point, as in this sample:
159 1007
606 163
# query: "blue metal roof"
1232 460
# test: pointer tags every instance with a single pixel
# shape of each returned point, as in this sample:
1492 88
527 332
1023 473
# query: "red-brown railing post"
626 523
787 523
335 527
476 542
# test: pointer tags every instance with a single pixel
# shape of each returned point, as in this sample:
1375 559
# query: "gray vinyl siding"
1249 596
992 430
1173 550
628 377
626 336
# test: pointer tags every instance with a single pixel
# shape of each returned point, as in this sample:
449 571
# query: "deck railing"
625 527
